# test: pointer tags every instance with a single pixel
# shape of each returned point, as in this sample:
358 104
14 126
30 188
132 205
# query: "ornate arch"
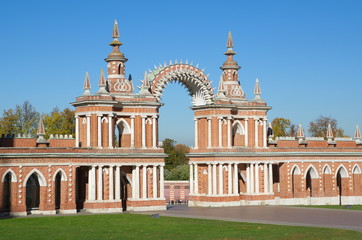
13 176
41 178
191 77
63 175
313 172
356 169
295 170
238 128
126 127
326 169
344 172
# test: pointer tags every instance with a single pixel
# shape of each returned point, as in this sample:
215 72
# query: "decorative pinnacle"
329 132
115 33
229 43
86 85
41 132
300 133
102 83
145 85
357 134
102 80
41 129
221 90
257 91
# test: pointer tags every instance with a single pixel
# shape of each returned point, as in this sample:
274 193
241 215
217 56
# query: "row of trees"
24 119
317 128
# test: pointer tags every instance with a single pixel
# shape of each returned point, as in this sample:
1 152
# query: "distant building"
114 162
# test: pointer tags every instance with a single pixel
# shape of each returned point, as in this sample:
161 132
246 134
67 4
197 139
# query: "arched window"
311 173
7 191
122 133
238 134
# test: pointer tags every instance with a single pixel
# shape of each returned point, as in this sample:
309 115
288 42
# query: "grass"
134 226
345 207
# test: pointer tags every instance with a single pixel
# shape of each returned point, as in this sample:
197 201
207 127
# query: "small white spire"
357 134
329 133
257 92
86 85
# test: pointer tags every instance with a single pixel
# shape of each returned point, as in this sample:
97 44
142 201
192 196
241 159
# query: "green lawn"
348 207
134 226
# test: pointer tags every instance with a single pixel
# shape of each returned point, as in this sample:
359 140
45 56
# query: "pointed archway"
341 174
32 193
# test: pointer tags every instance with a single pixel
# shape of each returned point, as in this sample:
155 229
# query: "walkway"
282 215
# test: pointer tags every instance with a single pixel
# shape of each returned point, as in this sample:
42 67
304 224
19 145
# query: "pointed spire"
257 91
86 85
41 132
102 84
329 133
357 134
145 89
41 129
221 90
115 33
229 43
300 133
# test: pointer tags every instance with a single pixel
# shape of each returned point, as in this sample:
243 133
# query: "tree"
59 122
180 172
21 120
318 127
176 154
283 127
8 122
27 118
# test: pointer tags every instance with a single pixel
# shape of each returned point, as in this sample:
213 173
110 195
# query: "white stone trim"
13 175
41 179
64 175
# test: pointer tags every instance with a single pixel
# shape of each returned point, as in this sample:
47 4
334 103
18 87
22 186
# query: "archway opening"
341 173
176 117
32 193
7 192
58 190
124 190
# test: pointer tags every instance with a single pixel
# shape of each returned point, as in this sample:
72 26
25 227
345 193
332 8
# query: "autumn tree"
8 122
21 120
283 127
59 122
176 154
318 127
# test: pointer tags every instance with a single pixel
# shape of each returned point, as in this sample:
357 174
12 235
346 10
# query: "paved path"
282 215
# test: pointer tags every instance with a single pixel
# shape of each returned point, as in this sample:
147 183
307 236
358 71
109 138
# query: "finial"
145 85
41 129
300 133
115 33
357 135
257 92
86 85
329 133
229 43
41 132
221 90
102 84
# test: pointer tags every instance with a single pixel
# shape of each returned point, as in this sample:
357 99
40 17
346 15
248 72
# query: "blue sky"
307 54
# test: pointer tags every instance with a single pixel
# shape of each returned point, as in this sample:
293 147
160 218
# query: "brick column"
246 133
